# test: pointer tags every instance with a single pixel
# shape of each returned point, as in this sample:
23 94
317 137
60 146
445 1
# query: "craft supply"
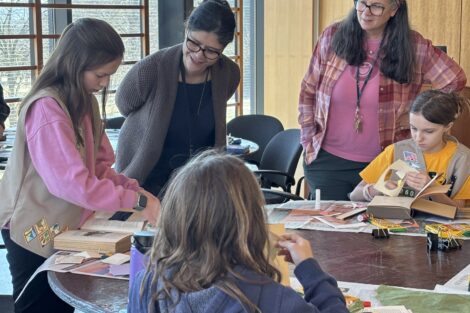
364 217
380 233
317 199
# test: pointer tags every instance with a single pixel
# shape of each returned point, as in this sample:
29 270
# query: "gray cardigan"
146 97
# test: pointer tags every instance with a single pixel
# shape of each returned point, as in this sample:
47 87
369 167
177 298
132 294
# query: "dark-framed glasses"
195 47
374 8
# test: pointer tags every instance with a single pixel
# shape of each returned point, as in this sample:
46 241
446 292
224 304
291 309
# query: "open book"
399 207
100 234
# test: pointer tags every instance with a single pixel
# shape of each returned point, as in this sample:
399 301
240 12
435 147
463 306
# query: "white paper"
460 281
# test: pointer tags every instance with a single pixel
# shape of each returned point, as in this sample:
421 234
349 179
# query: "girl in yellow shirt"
431 150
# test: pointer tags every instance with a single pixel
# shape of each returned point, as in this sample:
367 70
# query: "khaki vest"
35 215
458 168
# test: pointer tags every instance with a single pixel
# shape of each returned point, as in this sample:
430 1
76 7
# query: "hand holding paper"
417 180
294 248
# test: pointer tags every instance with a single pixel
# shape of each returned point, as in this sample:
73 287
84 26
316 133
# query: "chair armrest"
299 185
284 194
290 179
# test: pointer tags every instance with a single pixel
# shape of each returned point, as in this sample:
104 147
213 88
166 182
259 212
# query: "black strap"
359 91
191 119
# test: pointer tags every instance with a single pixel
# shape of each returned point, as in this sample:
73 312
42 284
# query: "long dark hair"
212 220
84 45
214 16
397 52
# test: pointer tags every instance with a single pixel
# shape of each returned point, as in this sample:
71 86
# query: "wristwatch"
141 202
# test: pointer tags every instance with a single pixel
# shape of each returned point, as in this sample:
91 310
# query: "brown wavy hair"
212 220
439 107
84 45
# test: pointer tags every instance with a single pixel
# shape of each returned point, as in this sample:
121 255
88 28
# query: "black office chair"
115 122
278 164
257 128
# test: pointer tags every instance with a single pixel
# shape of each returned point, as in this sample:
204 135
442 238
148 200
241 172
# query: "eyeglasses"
374 9
195 47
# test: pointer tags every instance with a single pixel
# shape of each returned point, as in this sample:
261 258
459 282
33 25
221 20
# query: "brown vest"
35 215
458 168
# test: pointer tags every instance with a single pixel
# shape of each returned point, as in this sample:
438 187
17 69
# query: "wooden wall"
289 41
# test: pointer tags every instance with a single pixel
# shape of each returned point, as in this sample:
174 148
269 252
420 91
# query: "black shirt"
189 132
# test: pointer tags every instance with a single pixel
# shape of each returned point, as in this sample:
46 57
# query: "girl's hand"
152 210
294 248
417 180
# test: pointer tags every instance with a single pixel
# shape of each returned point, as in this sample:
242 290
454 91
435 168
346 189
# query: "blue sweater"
321 295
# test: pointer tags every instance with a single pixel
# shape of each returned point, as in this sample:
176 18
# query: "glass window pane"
12 120
124 21
107 2
153 25
15 52
111 108
47 20
16 83
247 64
133 47
230 49
48 46
119 75
14 21
231 112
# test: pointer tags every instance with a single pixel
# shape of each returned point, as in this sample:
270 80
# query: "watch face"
142 201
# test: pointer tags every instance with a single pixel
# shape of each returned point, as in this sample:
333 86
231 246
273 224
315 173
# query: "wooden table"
397 261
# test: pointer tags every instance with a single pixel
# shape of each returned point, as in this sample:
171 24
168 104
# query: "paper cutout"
391 181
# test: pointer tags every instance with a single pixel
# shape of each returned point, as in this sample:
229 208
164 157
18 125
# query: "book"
400 207
100 234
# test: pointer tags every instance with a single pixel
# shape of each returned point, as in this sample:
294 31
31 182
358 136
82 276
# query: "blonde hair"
212 220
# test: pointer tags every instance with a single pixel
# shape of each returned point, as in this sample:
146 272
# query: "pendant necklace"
359 91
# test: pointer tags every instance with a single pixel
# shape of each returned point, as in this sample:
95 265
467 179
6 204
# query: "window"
30 29
241 51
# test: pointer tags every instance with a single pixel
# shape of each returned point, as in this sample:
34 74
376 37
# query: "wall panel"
288 47
439 21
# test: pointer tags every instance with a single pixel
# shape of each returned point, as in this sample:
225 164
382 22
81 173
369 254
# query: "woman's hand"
417 180
294 248
152 210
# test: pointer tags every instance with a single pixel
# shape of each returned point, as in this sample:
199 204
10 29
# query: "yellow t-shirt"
436 162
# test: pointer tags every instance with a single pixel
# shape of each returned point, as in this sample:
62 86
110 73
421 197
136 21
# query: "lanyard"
359 91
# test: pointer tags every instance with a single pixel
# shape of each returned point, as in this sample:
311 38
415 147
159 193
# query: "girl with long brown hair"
211 250
60 168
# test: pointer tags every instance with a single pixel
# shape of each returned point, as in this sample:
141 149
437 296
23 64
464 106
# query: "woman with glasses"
175 100
355 97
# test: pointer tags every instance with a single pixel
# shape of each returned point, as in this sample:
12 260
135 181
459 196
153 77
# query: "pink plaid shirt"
432 67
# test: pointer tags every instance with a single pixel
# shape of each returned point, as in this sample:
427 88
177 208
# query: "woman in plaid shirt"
355 97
